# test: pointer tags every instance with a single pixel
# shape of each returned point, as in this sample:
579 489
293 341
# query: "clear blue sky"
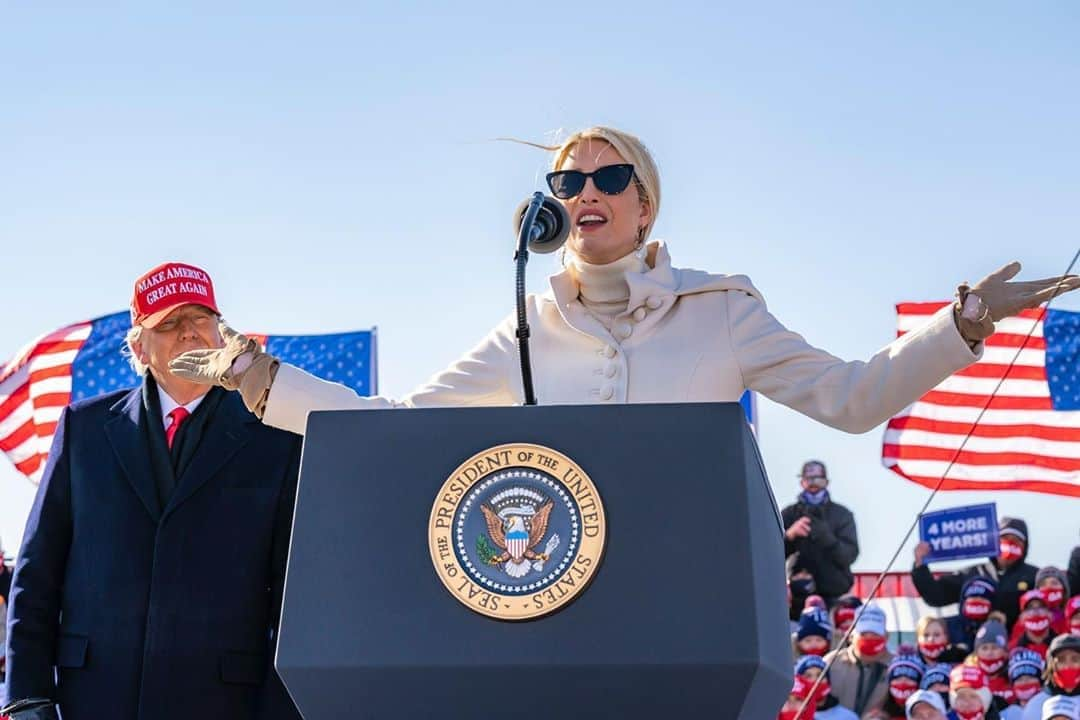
331 165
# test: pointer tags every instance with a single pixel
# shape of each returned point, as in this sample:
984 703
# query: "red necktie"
177 415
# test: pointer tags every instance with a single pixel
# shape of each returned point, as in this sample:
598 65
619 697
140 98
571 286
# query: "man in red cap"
150 578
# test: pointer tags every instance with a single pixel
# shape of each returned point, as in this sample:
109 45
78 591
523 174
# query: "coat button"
608 351
623 330
611 370
640 314
607 392
653 302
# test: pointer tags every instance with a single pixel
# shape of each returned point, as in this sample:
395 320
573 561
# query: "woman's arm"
852 396
483 376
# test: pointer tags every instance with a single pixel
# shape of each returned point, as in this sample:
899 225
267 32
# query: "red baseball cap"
969 676
167 287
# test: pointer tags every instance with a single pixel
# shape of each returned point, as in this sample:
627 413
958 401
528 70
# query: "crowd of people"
1012 651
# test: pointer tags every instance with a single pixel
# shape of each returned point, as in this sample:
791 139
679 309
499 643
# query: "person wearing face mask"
1025 673
932 638
859 670
843 616
1072 615
936 680
621 323
792 708
1010 572
1061 677
904 675
822 532
826 706
976 605
801 584
814 633
1035 626
1055 587
925 705
991 656
969 697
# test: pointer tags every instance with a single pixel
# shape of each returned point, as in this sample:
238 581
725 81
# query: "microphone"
550 228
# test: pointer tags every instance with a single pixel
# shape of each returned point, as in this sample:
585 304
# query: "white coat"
687 336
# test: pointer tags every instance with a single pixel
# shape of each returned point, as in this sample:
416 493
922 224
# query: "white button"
623 330
608 351
611 370
640 314
653 302
607 392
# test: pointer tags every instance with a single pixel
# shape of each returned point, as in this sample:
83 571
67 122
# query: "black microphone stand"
522 257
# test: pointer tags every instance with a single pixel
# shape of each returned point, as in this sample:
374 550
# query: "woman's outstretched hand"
240 365
214 366
995 297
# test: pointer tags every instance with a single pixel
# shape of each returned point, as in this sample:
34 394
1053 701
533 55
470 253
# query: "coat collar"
125 430
661 282
229 431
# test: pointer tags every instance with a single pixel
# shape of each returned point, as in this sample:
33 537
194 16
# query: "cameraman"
822 532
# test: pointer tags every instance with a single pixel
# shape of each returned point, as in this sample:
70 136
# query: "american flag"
84 360
1029 436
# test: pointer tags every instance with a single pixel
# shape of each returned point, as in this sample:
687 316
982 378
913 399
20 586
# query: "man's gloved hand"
31 709
979 306
240 365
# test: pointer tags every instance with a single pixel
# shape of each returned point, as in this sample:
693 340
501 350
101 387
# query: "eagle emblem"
517 522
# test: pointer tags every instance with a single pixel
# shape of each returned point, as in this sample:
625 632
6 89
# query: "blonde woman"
622 324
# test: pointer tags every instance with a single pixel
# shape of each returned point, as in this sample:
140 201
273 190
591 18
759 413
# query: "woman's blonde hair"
632 150
926 621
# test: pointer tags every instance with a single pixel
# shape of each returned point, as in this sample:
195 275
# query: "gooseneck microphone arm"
525 234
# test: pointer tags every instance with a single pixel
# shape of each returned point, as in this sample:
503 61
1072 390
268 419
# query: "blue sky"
331 165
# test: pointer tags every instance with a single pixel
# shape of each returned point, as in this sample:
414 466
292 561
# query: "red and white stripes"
1019 443
35 387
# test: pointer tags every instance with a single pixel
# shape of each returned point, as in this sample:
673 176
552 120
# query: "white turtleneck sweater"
603 289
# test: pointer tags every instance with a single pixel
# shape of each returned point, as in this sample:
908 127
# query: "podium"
684 614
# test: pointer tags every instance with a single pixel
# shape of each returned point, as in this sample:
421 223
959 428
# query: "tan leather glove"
240 365
979 306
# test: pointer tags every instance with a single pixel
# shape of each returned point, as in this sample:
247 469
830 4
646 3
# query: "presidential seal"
517 531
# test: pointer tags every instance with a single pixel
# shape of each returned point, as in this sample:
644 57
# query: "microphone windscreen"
550 229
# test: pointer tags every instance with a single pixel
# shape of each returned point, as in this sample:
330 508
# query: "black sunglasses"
610 180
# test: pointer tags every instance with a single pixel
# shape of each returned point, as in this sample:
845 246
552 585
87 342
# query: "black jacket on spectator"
1011 584
124 606
831 548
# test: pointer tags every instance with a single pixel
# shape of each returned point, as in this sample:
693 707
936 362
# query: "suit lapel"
127 437
226 432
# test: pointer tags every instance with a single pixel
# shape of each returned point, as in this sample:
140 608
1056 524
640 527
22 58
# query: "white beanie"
929 697
1061 706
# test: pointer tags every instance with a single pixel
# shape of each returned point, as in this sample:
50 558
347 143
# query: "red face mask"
1036 623
976 608
844 618
808 714
932 651
991 667
823 691
1026 689
1010 551
901 690
819 651
870 645
1055 597
970 714
1067 678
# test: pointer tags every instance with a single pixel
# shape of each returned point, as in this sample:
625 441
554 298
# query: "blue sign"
960 532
